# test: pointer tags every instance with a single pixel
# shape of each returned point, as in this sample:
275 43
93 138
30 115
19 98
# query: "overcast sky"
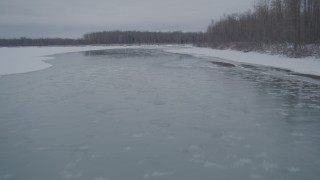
73 18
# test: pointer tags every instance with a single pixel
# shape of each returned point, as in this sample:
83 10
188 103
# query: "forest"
290 27
114 37
283 23
40 42
138 37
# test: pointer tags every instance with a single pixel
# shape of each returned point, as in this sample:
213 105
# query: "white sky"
73 18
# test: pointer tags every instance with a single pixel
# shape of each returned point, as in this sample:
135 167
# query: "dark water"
146 114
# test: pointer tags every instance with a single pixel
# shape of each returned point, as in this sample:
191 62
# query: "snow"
308 65
27 59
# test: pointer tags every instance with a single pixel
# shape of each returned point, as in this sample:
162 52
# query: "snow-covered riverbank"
308 65
15 60
26 59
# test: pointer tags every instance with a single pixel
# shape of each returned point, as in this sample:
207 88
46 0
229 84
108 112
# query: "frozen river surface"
145 114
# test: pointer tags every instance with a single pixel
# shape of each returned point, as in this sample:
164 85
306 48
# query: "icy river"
135 114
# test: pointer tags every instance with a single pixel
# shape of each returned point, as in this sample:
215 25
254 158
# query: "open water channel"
135 114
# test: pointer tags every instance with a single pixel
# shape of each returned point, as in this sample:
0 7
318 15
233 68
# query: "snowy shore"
27 59
308 65
15 60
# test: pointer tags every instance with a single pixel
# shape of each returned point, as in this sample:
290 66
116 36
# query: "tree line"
271 21
40 42
114 37
139 37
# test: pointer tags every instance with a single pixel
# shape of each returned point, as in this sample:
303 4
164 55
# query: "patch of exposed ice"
70 175
141 162
101 178
268 166
256 176
171 137
258 125
156 174
197 158
299 142
231 138
7 176
297 134
209 164
71 165
231 156
93 156
37 148
194 148
293 169
242 162
261 155
128 148
137 135
79 159
284 114
248 146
